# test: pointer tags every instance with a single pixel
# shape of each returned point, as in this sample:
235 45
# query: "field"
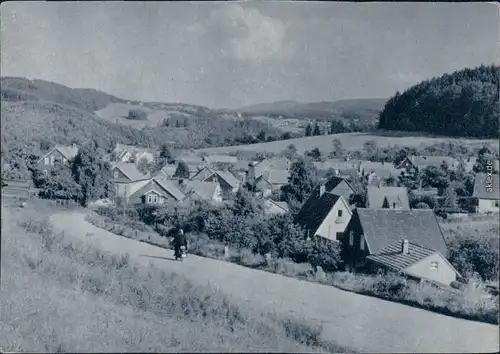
62 295
350 142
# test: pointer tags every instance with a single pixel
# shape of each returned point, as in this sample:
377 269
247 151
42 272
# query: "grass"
59 295
471 302
349 141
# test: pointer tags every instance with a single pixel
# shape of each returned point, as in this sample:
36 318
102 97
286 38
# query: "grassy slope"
349 141
59 295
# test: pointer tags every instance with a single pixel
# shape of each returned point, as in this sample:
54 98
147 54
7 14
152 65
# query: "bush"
136 114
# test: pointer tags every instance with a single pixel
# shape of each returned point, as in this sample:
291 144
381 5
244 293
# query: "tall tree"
60 184
303 179
92 173
182 170
337 148
308 129
317 130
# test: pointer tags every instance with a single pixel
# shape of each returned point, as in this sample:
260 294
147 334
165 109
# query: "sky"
234 54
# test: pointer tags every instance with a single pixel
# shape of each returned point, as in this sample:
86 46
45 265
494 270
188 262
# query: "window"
362 243
47 161
434 265
351 238
394 205
495 203
116 174
152 199
339 213
52 160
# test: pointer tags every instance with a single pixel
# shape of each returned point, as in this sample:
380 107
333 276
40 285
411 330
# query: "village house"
338 186
272 207
215 160
202 190
387 197
408 242
271 180
155 190
325 215
131 153
58 153
339 167
257 168
378 172
123 174
168 170
487 193
240 170
411 164
228 183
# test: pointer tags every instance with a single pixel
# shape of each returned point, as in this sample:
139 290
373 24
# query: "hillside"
37 114
350 142
351 109
463 103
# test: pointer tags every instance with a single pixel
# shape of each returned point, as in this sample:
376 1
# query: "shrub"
137 114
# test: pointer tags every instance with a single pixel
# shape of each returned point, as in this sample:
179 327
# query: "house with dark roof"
412 163
387 197
338 186
325 215
408 242
486 192
271 180
156 190
58 153
228 183
272 207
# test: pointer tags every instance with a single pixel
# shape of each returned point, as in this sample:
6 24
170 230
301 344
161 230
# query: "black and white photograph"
249 176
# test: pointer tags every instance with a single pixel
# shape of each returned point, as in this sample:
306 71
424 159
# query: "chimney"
322 190
251 173
404 247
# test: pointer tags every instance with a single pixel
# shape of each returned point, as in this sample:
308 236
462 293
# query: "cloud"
248 35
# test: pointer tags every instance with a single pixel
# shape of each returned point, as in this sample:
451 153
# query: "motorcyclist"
179 241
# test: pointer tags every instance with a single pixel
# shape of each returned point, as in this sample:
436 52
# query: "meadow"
351 142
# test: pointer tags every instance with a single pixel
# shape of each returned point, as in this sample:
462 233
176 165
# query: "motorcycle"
181 253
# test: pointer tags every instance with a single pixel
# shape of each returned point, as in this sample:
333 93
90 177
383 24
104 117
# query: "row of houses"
387 234
383 170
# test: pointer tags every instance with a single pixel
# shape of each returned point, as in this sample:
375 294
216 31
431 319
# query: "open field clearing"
349 141
354 321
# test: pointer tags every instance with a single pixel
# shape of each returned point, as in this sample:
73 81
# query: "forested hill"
464 103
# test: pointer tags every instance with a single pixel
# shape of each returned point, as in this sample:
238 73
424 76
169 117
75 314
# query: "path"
362 323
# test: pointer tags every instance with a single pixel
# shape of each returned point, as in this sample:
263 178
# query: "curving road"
361 323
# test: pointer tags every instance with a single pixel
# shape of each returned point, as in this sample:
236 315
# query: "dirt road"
361 323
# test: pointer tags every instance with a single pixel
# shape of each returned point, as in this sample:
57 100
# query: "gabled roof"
337 164
205 190
69 152
130 170
278 163
334 182
275 176
228 178
383 172
203 174
377 195
213 159
422 161
316 209
384 227
282 205
392 258
168 186
241 165
482 185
